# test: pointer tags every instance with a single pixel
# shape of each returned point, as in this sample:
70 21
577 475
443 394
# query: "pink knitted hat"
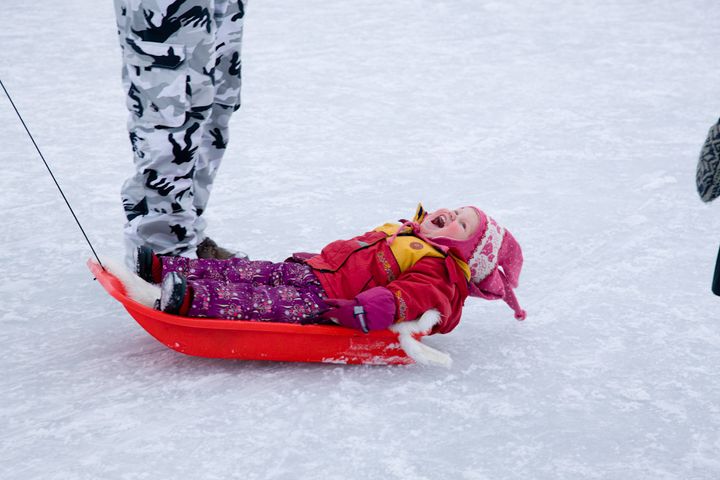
495 261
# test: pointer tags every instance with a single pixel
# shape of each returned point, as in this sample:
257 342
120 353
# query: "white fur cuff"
417 350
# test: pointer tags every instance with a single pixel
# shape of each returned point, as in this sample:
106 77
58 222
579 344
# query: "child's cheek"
454 232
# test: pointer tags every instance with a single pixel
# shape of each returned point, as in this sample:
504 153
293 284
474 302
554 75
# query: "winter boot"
147 265
708 169
175 294
209 249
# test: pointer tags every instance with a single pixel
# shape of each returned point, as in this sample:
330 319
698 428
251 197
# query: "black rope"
51 174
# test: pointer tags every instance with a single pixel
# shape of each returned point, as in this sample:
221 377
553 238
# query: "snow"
577 125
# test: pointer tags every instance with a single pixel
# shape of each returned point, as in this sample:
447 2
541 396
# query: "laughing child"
391 274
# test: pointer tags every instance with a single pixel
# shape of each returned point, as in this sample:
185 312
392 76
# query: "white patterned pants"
182 76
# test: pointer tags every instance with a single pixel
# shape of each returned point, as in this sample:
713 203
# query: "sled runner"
258 340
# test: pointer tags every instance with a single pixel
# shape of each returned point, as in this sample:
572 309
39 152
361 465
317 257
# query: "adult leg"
228 17
168 56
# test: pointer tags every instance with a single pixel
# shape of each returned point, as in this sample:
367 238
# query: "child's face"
458 224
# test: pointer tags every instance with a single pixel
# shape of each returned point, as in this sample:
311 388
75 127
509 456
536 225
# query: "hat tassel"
511 299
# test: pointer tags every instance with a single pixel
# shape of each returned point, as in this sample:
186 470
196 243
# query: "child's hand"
373 309
346 312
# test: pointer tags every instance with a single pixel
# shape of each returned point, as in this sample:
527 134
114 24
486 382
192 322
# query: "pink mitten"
373 309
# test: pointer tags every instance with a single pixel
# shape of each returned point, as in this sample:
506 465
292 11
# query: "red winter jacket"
346 268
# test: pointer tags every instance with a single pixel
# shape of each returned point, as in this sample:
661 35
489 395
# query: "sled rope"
51 174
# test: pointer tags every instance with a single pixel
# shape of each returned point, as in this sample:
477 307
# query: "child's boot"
147 265
175 294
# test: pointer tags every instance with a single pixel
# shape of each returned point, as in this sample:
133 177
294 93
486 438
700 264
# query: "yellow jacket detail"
409 249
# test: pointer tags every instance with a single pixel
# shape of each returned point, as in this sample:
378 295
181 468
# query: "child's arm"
424 286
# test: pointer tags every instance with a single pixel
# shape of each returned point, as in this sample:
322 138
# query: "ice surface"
576 124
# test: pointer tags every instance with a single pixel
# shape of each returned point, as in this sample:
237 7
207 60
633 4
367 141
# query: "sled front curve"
244 340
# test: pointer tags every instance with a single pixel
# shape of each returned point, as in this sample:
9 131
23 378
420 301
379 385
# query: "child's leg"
235 270
238 270
248 301
291 273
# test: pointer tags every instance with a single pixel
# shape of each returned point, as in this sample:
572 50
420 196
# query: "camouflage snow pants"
181 73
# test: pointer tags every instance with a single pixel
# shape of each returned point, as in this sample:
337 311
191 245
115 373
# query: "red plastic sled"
258 340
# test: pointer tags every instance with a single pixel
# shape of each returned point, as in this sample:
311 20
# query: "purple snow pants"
239 289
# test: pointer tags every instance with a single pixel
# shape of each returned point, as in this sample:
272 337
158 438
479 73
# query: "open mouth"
438 221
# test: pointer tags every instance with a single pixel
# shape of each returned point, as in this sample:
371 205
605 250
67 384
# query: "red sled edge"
244 340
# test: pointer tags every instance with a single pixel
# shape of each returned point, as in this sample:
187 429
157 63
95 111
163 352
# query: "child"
393 273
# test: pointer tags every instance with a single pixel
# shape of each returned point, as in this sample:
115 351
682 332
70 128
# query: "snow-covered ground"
576 124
